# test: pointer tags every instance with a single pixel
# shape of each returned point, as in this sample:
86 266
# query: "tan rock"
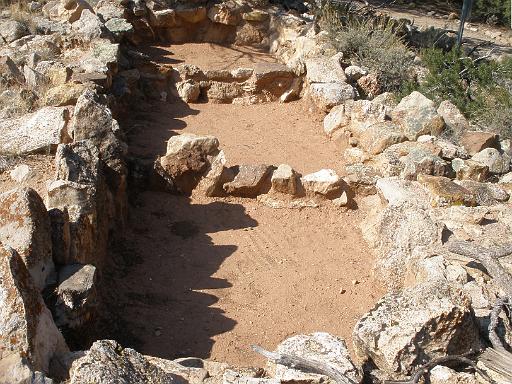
475 142
285 180
250 181
444 191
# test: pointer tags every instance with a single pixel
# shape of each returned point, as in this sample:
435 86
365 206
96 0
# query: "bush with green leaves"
370 42
480 88
492 11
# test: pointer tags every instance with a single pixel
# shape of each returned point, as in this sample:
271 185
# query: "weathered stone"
485 193
216 176
252 34
119 27
165 18
188 91
107 359
227 13
324 70
319 346
354 73
445 375
453 118
380 136
475 142
418 116
354 155
33 78
25 226
272 77
324 183
387 99
192 15
445 192
26 325
11 30
78 162
255 15
250 181
370 85
9 72
421 161
410 328
219 92
285 180
328 95
22 173
497 162
109 10
76 296
362 179
15 369
364 114
397 191
65 94
208 145
89 26
36 132
337 119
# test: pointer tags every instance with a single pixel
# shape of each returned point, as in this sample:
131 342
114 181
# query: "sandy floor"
211 277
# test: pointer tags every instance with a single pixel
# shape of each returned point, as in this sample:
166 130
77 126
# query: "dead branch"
302 364
499 362
488 257
427 367
495 314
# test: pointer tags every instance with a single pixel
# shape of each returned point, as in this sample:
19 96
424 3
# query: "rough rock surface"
421 323
497 162
26 325
474 141
37 132
25 226
250 181
418 116
108 363
324 183
328 95
285 180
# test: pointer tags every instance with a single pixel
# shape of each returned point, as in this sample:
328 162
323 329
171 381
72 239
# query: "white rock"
21 173
323 182
498 163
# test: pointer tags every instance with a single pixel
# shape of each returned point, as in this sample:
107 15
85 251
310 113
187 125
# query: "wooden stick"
302 364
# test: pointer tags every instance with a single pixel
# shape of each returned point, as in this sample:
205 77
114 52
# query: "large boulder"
26 325
318 346
36 132
25 226
418 116
421 323
108 362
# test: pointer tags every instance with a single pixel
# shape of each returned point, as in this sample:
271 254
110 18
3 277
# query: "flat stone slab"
250 181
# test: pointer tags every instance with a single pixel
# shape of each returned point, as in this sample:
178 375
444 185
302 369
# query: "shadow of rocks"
153 288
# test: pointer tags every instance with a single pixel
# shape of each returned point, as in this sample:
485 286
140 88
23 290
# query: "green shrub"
481 89
370 43
492 11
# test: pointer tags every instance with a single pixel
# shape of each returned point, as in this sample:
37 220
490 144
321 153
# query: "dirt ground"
211 277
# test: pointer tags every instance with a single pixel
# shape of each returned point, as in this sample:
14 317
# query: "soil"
210 277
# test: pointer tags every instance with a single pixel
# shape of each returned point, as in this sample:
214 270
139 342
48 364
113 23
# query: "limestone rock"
418 116
445 375
354 155
362 178
319 346
78 162
337 119
409 328
475 142
328 95
227 13
396 191
324 183
119 27
497 162
285 180
89 26
216 176
273 78
192 15
380 136
486 194
445 192
164 18
324 70
364 114
65 94
25 226
11 30
187 160
22 173
250 181
219 92
421 161
470 170
354 73
188 91
76 295
9 71
15 369
108 362
370 85
26 325
453 117
36 132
